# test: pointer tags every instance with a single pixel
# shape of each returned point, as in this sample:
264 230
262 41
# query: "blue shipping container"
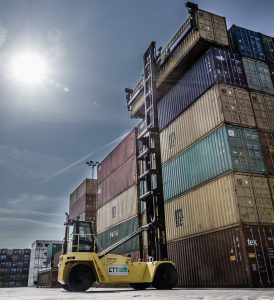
215 66
226 148
246 42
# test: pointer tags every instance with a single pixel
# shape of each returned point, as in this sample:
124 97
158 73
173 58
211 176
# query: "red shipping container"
117 182
120 154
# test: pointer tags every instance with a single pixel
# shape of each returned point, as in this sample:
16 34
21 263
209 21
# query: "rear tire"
80 278
139 286
165 277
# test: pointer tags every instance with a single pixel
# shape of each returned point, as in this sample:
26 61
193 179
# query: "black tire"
80 278
140 286
66 287
165 277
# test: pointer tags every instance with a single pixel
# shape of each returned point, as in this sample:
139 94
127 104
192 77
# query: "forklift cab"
79 237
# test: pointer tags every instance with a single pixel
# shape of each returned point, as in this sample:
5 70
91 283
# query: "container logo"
118 270
252 242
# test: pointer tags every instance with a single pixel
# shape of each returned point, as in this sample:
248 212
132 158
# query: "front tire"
139 286
80 278
165 277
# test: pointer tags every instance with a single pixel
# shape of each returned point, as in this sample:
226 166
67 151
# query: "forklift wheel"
66 287
139 286
166 277
80 278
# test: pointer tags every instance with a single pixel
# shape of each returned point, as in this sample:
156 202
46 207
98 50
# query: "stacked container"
117 202
14 267
39 257
83 201
217 158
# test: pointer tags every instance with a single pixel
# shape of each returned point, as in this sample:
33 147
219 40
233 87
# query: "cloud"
28 212
26 163
85 157
36 198
23 221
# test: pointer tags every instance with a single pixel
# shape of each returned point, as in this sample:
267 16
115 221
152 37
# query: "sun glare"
29 68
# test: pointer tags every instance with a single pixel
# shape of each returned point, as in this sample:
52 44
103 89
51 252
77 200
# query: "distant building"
83 201
39 258
14 267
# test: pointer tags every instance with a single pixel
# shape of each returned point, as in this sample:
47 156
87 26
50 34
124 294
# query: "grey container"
258 75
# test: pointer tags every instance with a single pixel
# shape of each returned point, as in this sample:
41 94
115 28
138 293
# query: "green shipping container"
114 234
226 148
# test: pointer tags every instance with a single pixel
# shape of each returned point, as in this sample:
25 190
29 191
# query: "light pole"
92 164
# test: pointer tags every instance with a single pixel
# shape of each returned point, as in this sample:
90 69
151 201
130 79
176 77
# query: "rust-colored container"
239 256
263 107
267 142
117 210
224 202
83 200
117 182
120 154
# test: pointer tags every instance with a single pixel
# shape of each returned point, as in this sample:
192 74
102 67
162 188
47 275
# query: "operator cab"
79 237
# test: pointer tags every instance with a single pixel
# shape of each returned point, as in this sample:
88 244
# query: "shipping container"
186 46
226 148
271 71
215 66
267 141
268 46
221 103
258 75
246 42
48 278
117 182
263 107
56 258
239 256
52 249
116 233
117 210
83 200
229 200
120 154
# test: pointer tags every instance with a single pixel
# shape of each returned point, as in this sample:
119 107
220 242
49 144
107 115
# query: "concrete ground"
127 294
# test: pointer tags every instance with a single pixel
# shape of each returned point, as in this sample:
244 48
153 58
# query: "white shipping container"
222 103
117 210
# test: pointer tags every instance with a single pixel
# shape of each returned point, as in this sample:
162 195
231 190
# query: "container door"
259 244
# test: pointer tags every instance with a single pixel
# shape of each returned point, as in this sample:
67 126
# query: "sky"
94 50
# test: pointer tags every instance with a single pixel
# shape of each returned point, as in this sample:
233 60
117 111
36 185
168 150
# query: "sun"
29 68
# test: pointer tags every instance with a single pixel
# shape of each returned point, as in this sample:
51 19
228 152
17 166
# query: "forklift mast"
149 160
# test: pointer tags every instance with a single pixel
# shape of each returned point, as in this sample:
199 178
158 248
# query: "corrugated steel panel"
267 141
258 75
246 42
120 154
268 46
221 103
233 257
117 182
226 148
263 107
226 201
215 66
83 199
116 233
271 71
211 28
118 210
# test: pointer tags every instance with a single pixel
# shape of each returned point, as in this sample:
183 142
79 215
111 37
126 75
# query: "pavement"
128 294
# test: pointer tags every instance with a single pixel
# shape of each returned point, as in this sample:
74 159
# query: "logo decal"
118 270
